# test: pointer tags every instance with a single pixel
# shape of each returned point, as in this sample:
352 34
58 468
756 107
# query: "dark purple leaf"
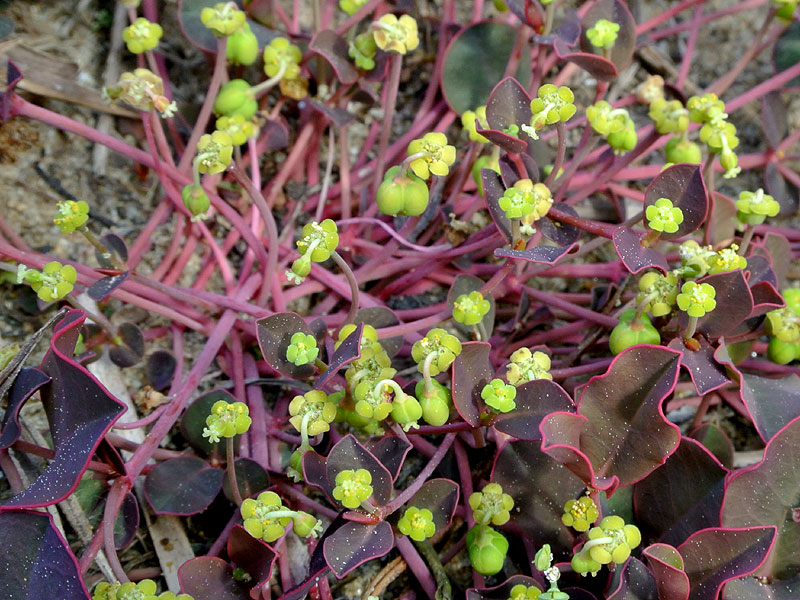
493 190
635 583
772 403
707 374
251 478
210 578
734 304
748 588
338 116
101 288
472 370
35 560
598 67
315 472
509 171
505 141
681 497
348 453
380 317
562 234
160 369
252 555
353 544
667 566
715 441
275 133
616 12
127 522
130 348
464 284
620 434
334 49
508 104
182 486
765 299
80 412
684 185
194 420
566 35
721 220
25 385
540 487
535 400
483 51
780 254
760 269
440 496
766 494
780 188
274 336
502 591
348 351
391 452
714 556
773 119
545 255
527 12
201 37
634 256
116 245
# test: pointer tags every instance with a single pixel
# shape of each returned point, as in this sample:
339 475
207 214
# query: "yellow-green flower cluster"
53 282
726 260
552 105
395 35
282 59
670 116
694 259
526 199
226 420
214 152
142 89
351 6
524 592
603 34
353 487
223 19
580 514
784 9
499 395
432 154
470 308
696 299
705 108
316 244
72 215
615 124
657 293
526 366
784 324
468 123
417 523
141 590
662 216
302 349
610 542
720 136
753 208
312 413
242 46
266 518
438 344
491 505
142 35
237 127
362 50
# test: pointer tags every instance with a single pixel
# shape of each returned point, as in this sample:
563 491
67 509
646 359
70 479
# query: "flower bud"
195 199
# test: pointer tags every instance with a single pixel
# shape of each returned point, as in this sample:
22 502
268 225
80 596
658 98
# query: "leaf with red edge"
780 255
315 472
707 374
127 522
464 284
25 385
338 116
440 496
767 494
540 487
772 403
667 566
565 36
634 256
472 370
34 558
349 453
505 141
681 497
508 104
620 433
598 67
636 582
502 591
781 189
562 234
616 12
253 555
493 190
182 486
748 588
535 400
760 268
682 184
765 299
774 123
201 37
334 49
716 441
274 337
714 556
527 12
353 544
545 255
721 219
210 578
391 451
348 351
734 304
80 412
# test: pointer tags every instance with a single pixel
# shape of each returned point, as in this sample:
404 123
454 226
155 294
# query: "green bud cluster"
141 35
443 346
227 420
53 282
265 518
705 108
580 514
237 127
491 505
753 208
402 193
669 116
316 244
141 590
603 34
657 293
680 150
435 402
242 46
719 134
236 98
362 50
784 326
524 592
223 19
526 366
195 200
614 124
487 549
610 542
631 331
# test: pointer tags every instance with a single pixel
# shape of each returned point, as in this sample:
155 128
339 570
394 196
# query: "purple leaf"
471 371
772 403
780 188
353 544
440 496
545 255
210 578
780 255
620 434
748 588
127 522
502 591
766 494
634 256
760 269
252 555
464 284
508 104
773 119
635 583
562 234
348 351
721 219
274 336
348 453
182 486
25 385
251 478
201 37
681 497
684 185
505 141
565 35
338 116
765 299
391 452
734 304
715 556
35 558
715 441
616 12
80 412
493 190
707 375
131 347
334 49
540 487
101 288
598 67
535 400
160 369
527 12
667 566
315 473
117 246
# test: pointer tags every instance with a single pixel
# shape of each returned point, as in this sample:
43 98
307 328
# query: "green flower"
499 395
784 324
526 366
543 559
223 19
396 35
282 58
705 108
143 90
491 505
584 564
302 349
237 127
624 140
669 115
351 6
753 208
697 299
306 525
374 365
580 514
318 240
314 411
720 137
406 411
214 152
142 590
603 34
612 541
658 291
681 150
195 200
402 193
552 104
142 35
487 549
629 333
441 345
417 523
470 309
524 592
785 9
435 403
242 46
369 335
526 199
227 420
781 352
694 259
662 216
433 155
606 119
353 487
236 98
362 50
71 215
726 260
53 282
468 123
265 517
374 400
